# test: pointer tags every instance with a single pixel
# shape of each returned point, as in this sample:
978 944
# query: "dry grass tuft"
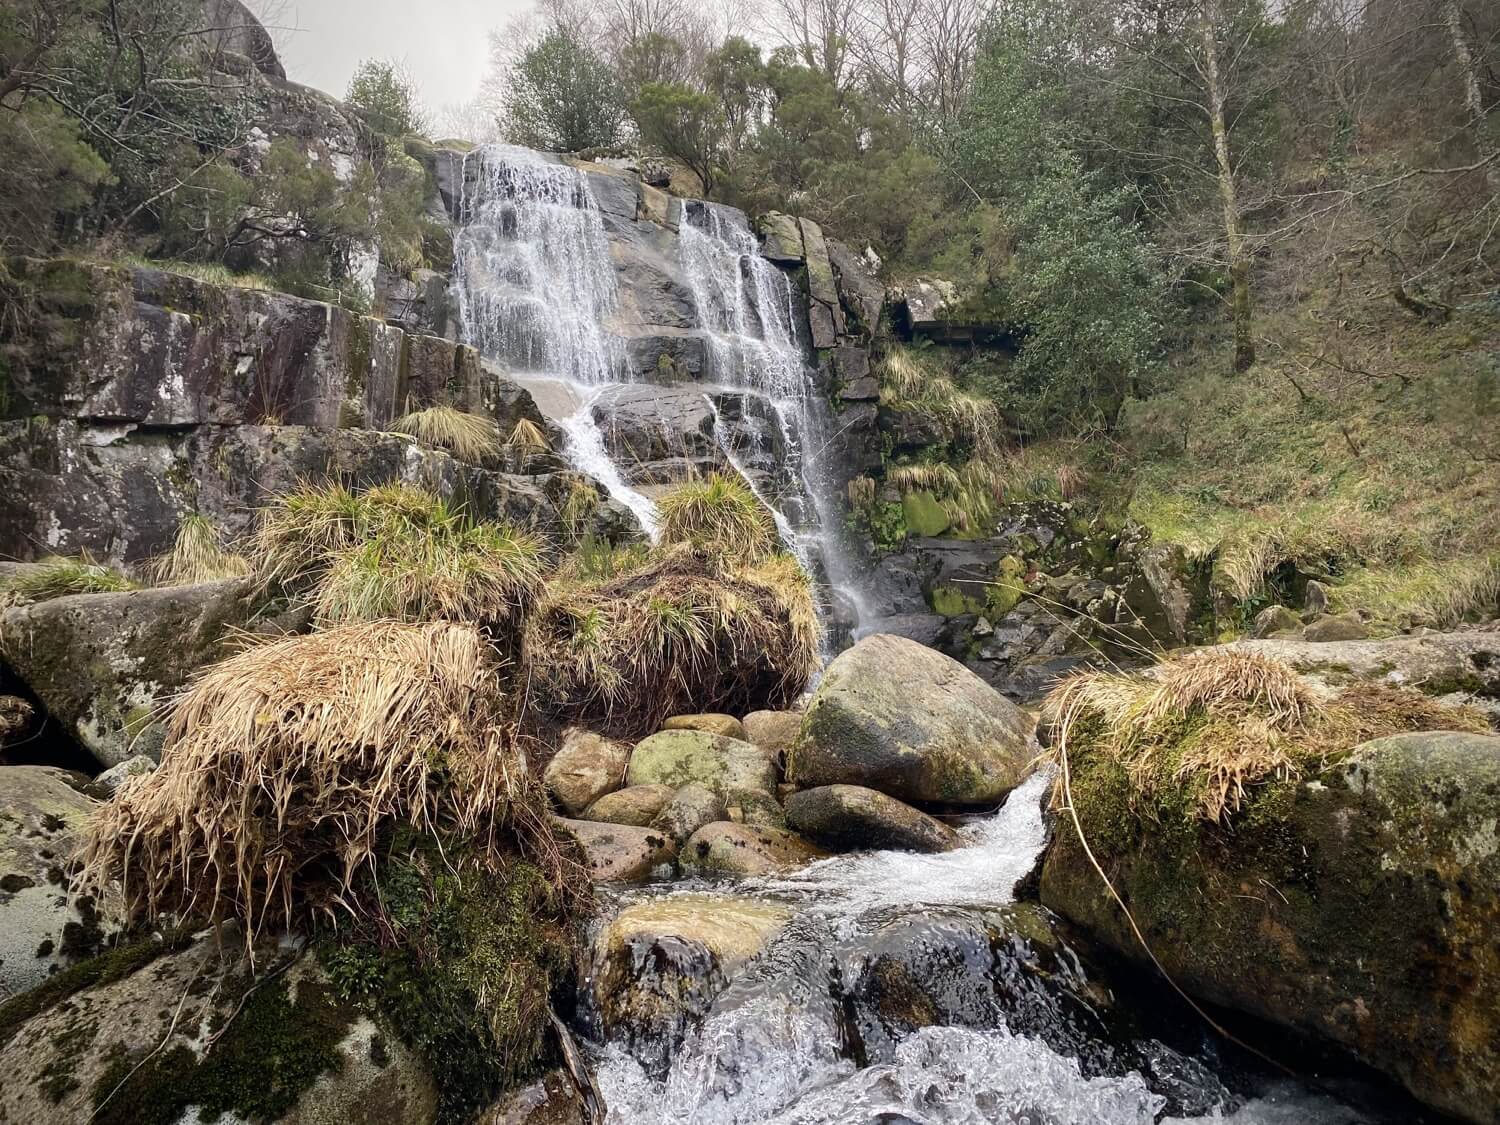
719 512
915 382
61 577
197 555
685 630
1438 594
861 492
1211 725
469 437
527 436
287 764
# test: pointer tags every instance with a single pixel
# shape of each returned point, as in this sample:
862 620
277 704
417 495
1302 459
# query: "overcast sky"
443 42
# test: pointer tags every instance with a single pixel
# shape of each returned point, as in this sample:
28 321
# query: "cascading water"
811 1032
535 286
748 310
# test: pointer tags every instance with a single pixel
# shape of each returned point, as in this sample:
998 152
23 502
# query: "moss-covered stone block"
924 516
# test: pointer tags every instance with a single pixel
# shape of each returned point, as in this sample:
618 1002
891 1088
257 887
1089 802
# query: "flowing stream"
812 1031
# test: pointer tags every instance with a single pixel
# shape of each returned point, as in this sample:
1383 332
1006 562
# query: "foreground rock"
1437 663
105 665
129 1047
742 850
43 928
658 965
1360 905
691 808
896 716
584 769
618 853
692 757
774 731
846 817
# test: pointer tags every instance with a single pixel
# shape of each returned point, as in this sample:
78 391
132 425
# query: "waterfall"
535 285
748 310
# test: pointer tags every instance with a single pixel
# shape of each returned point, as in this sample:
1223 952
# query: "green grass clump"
197 555
911 381
394 552
721 511
212 273
60 577
1437 594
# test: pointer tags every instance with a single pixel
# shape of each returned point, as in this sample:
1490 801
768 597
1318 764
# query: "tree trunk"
1239 258
1468 74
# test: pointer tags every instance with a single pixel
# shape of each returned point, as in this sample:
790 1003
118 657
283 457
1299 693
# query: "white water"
749 313
535 285
770 1056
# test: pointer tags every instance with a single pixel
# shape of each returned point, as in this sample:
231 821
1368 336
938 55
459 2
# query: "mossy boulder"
1336 627
690 808
105 665
894 715
695 757
754 807
727 725
657 965
585 768
781 237
742 850
1274 621
1437 663
1359 905
189 1035
619 853
848 817
635 805
43 926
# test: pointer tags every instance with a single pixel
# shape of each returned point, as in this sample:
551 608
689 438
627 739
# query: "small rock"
16 717
687 757
774 731
982 628
619 853
847 817
137 766
635 805
1275 620
587 767
713 723
1316 599
739 850
755 807
552 1099
1336 627
690 809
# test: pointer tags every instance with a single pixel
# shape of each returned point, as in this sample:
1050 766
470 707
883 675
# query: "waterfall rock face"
138 396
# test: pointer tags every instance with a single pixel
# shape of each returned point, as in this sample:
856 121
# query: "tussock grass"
688 629
445 570
197 555
861 491
1210 725
469 437
721 512
213 273
287 764
914 382
1438 594
60 577
396 552
527 436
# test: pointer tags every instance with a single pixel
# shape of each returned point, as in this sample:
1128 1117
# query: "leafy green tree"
684 124
386 97
563 97
653 57
736 76
1088 297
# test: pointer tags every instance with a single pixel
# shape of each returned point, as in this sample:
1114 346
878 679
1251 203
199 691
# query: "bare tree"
820 31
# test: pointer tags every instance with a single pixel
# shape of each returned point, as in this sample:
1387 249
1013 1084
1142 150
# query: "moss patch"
924 515
467 982
266 1056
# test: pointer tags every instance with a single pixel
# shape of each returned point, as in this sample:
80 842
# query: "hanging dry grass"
688 630
1213 724
285 765
469 437
197 555
861 491
721 512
